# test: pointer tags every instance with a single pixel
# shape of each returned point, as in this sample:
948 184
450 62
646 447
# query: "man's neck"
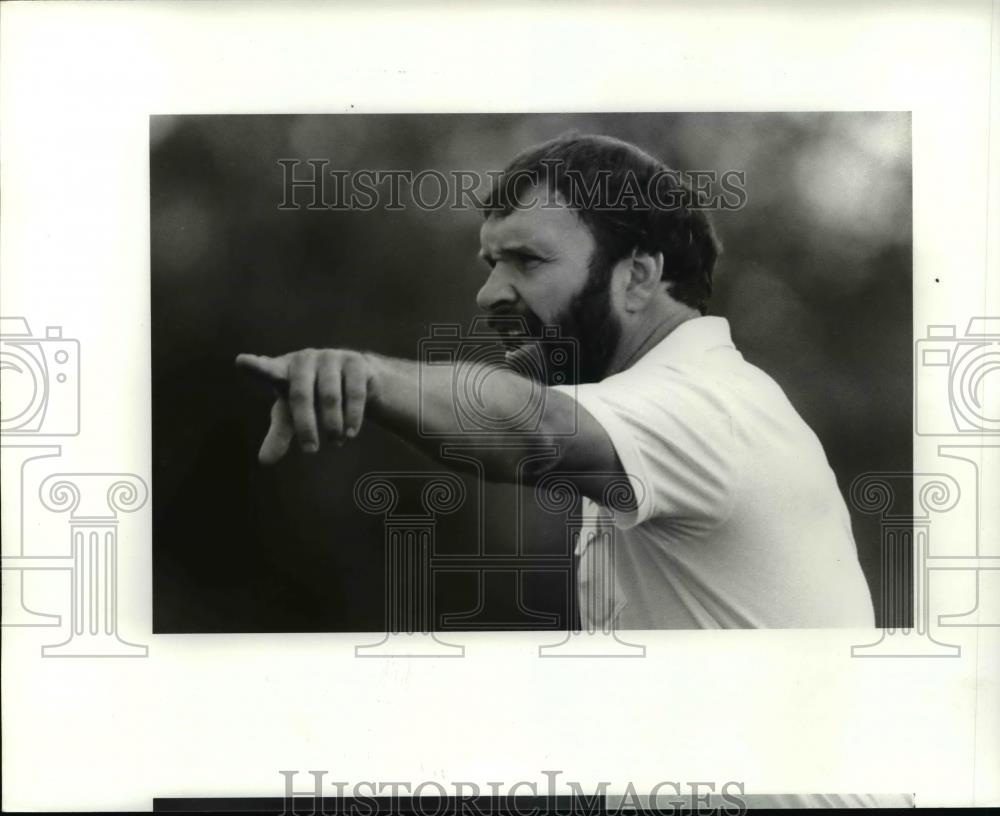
646 333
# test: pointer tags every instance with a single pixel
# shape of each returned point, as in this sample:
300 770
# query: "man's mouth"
519 343
515 339
521 351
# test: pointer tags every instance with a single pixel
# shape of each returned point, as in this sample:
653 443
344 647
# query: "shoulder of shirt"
682 352
678 364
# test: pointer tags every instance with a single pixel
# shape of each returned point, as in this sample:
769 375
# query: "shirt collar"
689 340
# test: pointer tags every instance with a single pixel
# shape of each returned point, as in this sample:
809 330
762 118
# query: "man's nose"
497 291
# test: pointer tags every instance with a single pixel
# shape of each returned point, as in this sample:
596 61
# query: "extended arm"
329 393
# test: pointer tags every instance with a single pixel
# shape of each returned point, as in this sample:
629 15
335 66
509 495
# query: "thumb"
279 435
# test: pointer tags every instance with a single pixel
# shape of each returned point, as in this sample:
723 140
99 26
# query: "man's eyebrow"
514 248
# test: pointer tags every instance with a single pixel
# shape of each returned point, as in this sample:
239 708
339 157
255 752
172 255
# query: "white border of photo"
221 715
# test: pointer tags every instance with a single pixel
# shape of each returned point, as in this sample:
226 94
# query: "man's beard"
591 322
588 334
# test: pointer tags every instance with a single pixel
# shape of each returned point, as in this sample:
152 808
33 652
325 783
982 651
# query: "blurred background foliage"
815 281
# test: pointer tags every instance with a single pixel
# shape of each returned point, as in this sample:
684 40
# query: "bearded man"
733 517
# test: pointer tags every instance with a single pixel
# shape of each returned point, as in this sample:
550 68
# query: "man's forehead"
548 223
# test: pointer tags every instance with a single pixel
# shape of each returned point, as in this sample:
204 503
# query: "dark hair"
627 198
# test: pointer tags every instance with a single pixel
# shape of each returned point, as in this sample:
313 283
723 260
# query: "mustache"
521 322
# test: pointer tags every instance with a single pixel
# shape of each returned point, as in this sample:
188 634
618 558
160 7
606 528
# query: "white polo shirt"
739 521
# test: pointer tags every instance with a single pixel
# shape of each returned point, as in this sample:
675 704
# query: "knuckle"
302 357
355 391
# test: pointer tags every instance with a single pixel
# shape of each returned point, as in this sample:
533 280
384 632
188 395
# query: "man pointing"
734 519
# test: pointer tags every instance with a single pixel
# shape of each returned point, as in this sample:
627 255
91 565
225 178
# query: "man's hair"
627 198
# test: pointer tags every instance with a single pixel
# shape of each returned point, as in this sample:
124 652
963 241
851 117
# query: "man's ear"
645 276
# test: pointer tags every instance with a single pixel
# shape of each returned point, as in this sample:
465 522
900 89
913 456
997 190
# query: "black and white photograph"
660 349
499 408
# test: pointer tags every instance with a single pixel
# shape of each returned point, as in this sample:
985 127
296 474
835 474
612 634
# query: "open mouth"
513 340
520 350
515 336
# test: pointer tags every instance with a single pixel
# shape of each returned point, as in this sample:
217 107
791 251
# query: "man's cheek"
535 323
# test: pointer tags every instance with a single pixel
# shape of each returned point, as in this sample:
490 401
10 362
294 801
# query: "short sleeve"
674 435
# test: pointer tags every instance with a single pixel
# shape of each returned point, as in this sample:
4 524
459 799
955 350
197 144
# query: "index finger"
272 369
